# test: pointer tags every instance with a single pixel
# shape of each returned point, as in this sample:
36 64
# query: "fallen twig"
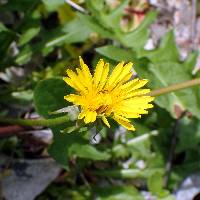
7 131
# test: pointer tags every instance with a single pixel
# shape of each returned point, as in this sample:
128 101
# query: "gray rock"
28 178
189 188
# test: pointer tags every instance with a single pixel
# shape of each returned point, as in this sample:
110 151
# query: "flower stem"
175 87
35 122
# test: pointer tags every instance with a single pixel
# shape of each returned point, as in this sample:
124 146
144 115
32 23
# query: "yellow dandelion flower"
103 95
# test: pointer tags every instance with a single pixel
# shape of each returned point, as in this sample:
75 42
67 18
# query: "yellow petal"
120 76
137 107
76 81
139 100
127 77
76 99
134 113
125 71
71 74
138 92
104 76
132 104
139 84
82 79
90 116
124 122
71 83
141 92
108 95
129 84
98 72
134 84
86 71
129 114
115 74
105 121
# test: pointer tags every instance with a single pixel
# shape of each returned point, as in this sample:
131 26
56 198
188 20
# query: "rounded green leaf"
49 96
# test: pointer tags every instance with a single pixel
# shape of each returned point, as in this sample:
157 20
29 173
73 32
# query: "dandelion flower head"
105 94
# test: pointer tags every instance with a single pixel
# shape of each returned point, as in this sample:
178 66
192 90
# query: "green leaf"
94 25
62 142
89 152
155 183
3 27
49 96
116 53
117 193
190 135
66 145
75 31
116 15
25 55
95 5
191 61
100 12
52 5
23 6
138 37
28 35
169 197
164 68
167 50
168 73
60 40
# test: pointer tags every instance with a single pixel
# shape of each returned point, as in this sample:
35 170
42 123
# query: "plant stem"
35 122
175 87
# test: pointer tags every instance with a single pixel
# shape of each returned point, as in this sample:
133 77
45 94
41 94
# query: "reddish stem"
7 131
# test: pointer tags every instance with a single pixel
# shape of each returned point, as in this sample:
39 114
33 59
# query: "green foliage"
85 193
89 152
66 146
28 35
49 96
3 27
165 69
118 192
138 37
52 5
42 39
74 31
167 51
116 53
155 183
